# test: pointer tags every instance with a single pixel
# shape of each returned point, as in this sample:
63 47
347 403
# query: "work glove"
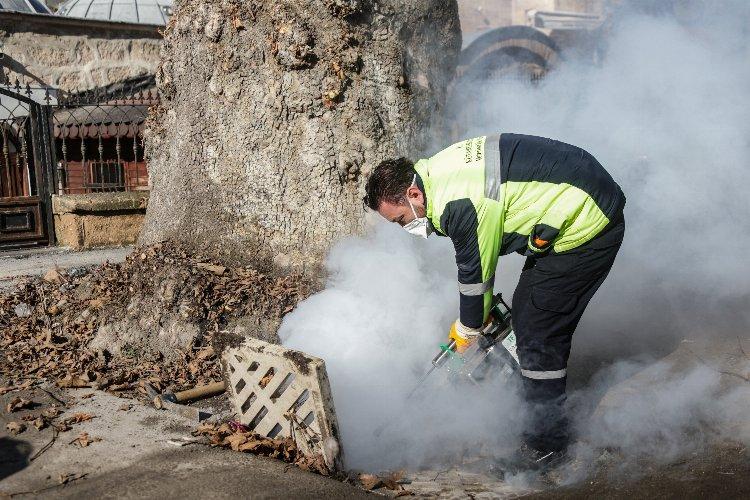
463 335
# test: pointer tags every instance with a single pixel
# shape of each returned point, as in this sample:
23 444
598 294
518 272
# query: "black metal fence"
57 143
99 141
26 154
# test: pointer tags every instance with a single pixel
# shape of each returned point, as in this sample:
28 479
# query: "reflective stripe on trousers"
544 375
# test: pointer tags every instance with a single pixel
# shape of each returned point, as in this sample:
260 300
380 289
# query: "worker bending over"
547 200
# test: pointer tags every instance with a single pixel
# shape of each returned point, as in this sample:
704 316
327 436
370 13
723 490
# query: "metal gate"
26 173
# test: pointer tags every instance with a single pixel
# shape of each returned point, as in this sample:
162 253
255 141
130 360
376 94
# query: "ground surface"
135 451
722 472
27 262
143 452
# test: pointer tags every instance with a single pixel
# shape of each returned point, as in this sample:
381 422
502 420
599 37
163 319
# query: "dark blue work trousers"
550 298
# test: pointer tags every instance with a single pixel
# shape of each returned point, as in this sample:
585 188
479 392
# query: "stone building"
79 53
89 74
568 22
155 12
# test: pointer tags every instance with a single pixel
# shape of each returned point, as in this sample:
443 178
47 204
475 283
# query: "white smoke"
666 112
386 308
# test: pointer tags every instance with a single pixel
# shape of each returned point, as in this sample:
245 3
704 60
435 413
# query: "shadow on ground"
14 456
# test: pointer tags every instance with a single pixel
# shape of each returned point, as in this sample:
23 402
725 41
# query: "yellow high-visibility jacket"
493 195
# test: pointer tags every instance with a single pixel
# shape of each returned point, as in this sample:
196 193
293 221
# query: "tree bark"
274 112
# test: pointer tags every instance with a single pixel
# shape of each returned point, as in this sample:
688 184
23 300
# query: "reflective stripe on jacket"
493 195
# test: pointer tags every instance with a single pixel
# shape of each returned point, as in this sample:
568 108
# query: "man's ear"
414 194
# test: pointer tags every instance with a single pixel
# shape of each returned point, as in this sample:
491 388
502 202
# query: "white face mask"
420 226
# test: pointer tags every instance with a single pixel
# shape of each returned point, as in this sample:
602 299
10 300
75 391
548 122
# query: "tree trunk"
274 112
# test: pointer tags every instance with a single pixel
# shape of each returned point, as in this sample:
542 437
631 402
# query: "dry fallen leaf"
39 423
392 480
15 427
53 276
369 481
18 404
96 303
67 478
62 427
218 270
51 412
73 381
83 440
235 441
404 493
266 379
238 24
79 417
20 387
205 353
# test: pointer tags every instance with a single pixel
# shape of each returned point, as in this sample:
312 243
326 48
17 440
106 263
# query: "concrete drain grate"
278 392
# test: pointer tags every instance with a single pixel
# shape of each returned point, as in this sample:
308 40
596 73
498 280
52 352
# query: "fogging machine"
493 354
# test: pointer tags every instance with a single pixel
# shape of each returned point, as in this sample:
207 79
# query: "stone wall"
98 220
74 54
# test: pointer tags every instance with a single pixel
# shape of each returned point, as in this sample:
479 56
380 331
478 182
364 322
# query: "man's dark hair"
389 182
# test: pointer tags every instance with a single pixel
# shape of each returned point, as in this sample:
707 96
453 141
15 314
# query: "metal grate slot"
240 385
283 386
300 401
258 417
275 431
263 382
248 402
308 419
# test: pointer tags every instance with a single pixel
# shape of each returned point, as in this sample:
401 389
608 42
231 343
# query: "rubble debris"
103 328
239 438
22 310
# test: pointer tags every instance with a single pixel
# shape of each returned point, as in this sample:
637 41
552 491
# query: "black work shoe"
544 461
528 459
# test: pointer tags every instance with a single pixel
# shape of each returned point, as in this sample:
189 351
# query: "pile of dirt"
163 315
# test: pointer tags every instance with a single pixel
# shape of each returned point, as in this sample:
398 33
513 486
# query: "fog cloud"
666 112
